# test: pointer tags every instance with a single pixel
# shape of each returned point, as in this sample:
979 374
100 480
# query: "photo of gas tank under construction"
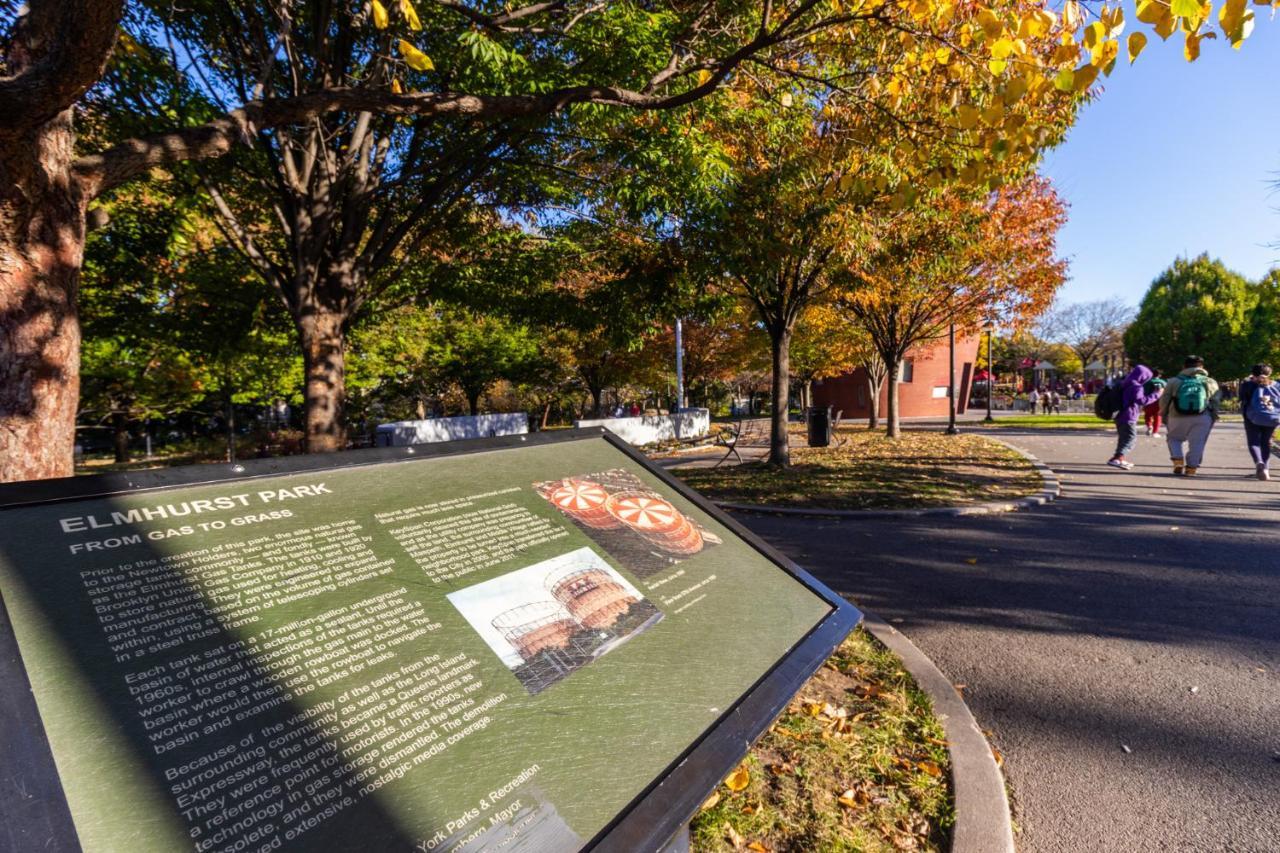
546 620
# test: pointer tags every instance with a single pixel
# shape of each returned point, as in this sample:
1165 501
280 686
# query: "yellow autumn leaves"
1166 17
382 20
412 56
415 58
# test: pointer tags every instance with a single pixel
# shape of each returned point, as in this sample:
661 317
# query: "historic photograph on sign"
546 620
640 528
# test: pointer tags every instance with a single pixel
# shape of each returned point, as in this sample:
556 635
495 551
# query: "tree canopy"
1199 307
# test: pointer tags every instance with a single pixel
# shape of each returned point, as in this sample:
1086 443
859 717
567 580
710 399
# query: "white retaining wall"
691 423
431 430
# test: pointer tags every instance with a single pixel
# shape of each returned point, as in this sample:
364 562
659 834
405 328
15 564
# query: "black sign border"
648 822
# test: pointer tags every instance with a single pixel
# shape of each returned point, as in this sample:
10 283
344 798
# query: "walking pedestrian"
1034 399
1046 400
1055 402
1260 405
1133 397
1151 411
1189 406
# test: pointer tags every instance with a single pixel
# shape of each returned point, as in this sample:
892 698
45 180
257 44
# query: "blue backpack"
1264 408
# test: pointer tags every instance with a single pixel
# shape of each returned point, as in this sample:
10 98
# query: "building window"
907 370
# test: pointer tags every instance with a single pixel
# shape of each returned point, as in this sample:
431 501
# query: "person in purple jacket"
1132 398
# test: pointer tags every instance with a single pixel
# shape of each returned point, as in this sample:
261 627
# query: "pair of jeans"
1259 440
1126 436
1189 433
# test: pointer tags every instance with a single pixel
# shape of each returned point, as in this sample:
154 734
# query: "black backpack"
1107 404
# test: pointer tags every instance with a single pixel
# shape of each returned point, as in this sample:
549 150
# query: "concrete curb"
983 824
1050 490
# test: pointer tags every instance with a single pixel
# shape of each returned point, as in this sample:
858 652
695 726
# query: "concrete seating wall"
431 430
691 423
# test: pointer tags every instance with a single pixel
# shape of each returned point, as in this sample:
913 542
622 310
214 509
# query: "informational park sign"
519 644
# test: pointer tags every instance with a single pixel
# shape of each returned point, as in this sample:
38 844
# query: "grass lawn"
1069 421
920 469
856 762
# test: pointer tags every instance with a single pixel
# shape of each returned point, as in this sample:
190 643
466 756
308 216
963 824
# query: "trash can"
819 421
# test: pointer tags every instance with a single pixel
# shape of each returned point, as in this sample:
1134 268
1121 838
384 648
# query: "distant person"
1034 399
1055 402
1260 405
635 410
1151 411
1189 406
1133 397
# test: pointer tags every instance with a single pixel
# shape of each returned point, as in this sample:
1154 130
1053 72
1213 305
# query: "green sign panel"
502 649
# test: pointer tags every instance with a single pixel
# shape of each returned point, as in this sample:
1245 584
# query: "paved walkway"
1121 645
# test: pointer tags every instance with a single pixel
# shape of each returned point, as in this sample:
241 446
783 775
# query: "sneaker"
1189 472
1120 463
1177 468
1263 473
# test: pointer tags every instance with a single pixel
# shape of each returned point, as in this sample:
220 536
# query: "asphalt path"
1121 645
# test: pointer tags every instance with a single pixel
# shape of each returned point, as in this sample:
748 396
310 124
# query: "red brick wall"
848 393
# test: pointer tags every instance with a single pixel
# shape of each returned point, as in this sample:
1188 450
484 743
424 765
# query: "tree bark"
779 447
41 249
874 384
323 336
894 426
120 435
473 402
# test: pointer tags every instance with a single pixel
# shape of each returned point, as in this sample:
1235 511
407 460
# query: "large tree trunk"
779 448
120 435
894 427
323 337
473 401
41 249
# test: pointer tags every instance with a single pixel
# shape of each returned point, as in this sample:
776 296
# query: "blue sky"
1174 158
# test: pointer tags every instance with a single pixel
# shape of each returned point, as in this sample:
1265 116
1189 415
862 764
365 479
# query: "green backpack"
1193 396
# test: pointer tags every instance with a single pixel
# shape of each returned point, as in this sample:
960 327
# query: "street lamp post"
679 366
990 328
952 429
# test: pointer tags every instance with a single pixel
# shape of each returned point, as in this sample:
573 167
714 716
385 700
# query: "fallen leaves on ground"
920 469
857 761
738 779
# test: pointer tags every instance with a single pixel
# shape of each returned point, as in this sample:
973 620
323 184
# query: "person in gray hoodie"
1189 405
1133 396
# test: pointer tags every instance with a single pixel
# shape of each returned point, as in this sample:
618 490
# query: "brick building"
922 392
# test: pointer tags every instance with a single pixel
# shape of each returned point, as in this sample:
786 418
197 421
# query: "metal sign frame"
33 808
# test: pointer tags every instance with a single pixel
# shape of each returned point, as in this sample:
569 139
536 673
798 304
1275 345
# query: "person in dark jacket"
1133 397
1257 430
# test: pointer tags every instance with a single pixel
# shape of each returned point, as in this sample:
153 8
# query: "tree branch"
100 172
58 50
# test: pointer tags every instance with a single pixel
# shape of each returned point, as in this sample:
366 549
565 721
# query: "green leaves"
1199 306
